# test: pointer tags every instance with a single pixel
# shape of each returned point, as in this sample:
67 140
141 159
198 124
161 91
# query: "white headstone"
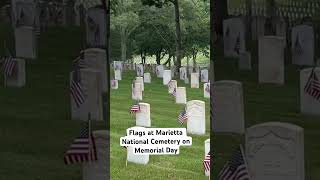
166 77
96 27
196 117
139 69
117 65
114 84
181 96
18 77
308 103
229 107
275 150
143 116
136 91
204 75
233 37
194 80
117 75
147 78
183 73
271 60
159 71
206 90
140 80
98 170
95 58
302 46
25 42
138 159
93 96
186 81
24 12
206 146
172 85
245 61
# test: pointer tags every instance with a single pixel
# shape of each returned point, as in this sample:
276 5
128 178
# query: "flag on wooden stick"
206 162
8 66
135 108
312 88
83 148
236 168
183 116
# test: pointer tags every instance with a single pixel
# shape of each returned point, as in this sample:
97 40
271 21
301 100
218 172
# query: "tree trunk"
194 57
123 46
178 35
249 19
168 61
188 65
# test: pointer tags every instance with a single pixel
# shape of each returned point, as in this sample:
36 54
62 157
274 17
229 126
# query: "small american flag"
83 148
8 66
135 108
312 88
297 47
113 83
236 168
174 92
237 45
183 116
206 163
79 62
76 89
91 24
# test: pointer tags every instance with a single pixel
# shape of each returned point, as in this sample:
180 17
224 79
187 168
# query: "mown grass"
35 125
164 113
264 103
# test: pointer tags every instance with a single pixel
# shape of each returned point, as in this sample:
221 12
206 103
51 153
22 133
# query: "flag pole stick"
89 127
245 160
127 157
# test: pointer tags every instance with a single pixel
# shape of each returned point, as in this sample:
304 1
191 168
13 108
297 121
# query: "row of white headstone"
229 107
302 46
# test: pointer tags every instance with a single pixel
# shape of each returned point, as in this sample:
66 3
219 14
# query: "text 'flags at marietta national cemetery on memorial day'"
135 108
8 66
183 116
312 88
76 89
83 148
236 168
206 163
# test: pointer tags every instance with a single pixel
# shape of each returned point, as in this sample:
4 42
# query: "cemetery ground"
164 114
264 103
35 126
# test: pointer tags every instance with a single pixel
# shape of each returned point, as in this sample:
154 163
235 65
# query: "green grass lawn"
164 113
264 103
35 125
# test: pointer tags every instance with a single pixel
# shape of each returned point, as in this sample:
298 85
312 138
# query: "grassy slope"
266 102
164 113
35 125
